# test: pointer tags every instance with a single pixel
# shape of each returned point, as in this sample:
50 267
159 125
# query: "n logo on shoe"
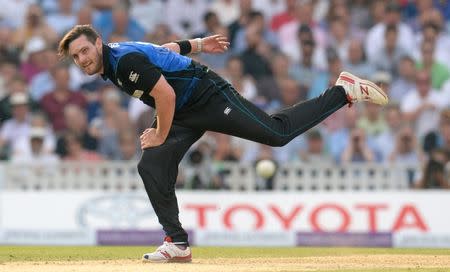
364 90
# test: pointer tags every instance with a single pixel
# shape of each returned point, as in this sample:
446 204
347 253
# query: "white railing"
123 176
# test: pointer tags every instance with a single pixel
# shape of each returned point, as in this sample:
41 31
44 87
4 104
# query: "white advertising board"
231 216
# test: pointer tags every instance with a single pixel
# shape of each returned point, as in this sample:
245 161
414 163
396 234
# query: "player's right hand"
215 44
150 138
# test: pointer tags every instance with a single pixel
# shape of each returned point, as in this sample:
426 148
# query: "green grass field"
65 258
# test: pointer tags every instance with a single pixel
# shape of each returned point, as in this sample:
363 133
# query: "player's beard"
98 64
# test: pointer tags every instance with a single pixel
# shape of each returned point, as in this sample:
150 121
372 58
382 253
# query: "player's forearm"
165 108
195 46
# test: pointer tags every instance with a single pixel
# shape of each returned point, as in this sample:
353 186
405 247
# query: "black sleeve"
136 72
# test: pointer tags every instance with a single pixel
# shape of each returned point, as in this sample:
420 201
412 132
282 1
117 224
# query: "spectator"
85 15
17 127
360 13
145 118
269 8
244 84
305 71
35 25
385 142
52 6
8 70
256 21
76 152
407 150
339 38
38 163
289 36
315 151
230 12
54 102
224 149
386 57
22 147
117 23
284 17
161 35
255 64
357 62
217 62
357 149
431 15
76 121
326 78
102 5
391 17
199 173
435 173
439 72
148 13
13 13
339 139
185 16
241 22
64 19
107 126
377 13
43 83
291 93
269 86
8 52
35 58
434 34
39 156
405 81
15 85
211 22
439 138
372 122
422 105
129 148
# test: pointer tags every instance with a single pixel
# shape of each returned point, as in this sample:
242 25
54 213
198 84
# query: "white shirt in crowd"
428 120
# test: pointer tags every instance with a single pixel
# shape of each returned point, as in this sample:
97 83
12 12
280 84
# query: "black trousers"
220 108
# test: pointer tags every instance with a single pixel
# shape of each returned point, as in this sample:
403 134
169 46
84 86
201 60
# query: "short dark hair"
208 15
73 34
393 6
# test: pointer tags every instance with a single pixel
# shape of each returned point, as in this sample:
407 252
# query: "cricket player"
190 99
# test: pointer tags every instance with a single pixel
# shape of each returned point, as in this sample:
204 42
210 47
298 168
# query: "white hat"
37 132
34 45
18 99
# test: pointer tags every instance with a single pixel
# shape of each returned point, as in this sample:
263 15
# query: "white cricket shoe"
358 89
169 252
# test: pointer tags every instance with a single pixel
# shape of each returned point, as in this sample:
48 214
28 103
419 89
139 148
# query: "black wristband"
185 47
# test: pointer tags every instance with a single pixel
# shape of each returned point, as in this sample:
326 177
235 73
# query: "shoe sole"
166 261
351 78
186 259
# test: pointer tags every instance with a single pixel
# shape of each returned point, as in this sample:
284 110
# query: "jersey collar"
106 65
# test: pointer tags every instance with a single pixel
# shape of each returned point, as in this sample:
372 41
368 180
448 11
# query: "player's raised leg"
230 113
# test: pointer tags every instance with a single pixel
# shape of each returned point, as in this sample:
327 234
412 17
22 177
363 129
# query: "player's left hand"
215 44
150 138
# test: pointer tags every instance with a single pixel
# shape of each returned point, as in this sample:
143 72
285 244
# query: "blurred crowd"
282 52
